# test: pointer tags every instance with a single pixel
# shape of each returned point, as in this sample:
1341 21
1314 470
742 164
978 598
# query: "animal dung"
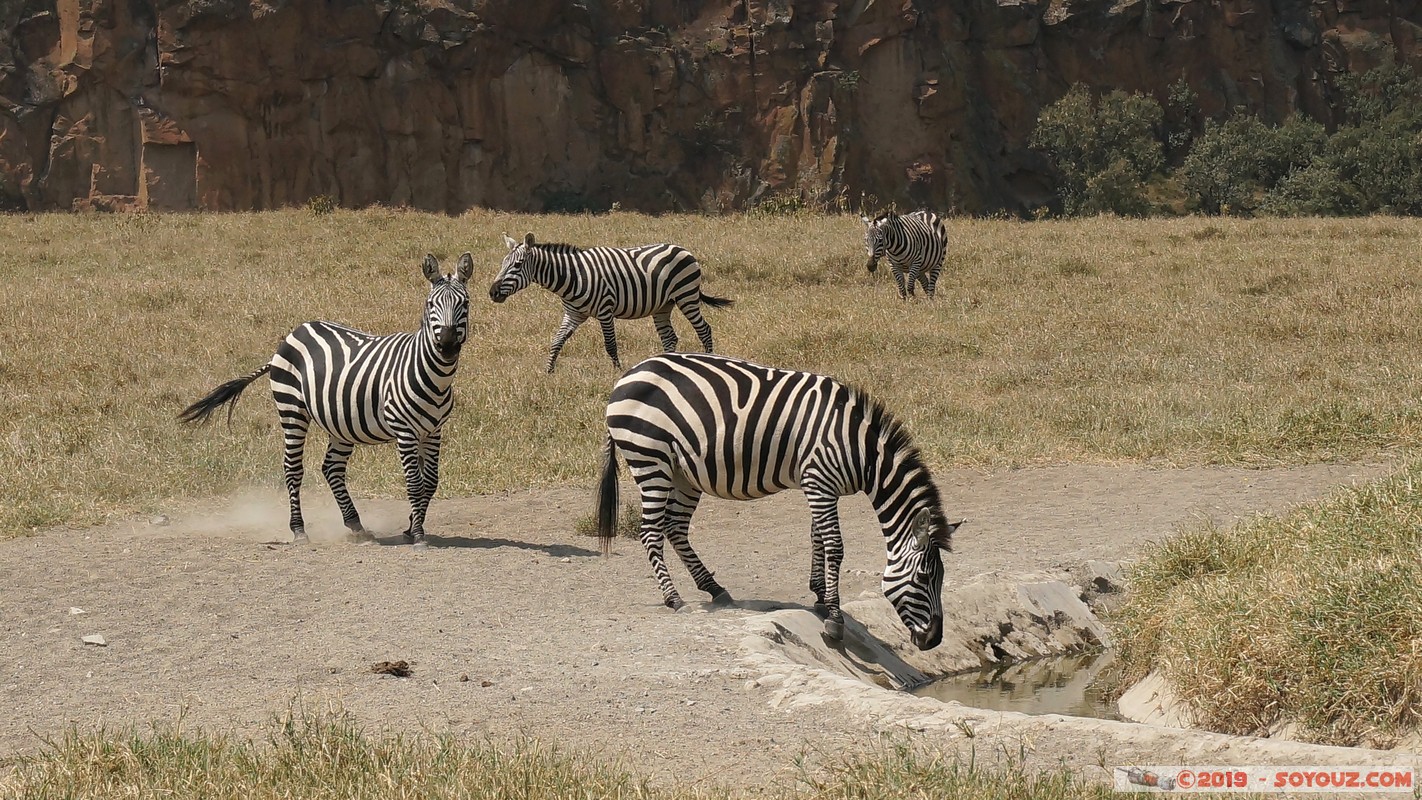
400 669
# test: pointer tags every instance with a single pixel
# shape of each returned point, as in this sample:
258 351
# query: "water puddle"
1062 685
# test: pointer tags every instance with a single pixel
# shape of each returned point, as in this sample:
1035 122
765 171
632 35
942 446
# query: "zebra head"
913 578
447 307
875 238
513 273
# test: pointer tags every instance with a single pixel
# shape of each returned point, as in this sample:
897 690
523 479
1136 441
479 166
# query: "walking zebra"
365 389
914 243
692 424
610 283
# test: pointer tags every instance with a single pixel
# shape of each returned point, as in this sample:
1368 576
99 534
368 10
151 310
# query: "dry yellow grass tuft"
1313 617
1184 341
327 756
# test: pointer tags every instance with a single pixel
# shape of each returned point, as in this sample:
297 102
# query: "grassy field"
1179 341
319 757
1313 617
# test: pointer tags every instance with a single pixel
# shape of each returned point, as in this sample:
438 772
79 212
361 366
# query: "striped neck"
554 267
897 481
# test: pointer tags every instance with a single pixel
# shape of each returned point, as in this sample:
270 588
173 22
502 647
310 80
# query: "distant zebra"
692 424
914 244
610 283
365 389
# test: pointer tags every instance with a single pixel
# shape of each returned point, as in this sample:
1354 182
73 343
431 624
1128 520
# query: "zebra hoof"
821 609
675 604
420 544
834 630
723 598
299 537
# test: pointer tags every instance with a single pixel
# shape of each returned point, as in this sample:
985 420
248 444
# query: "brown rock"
653 104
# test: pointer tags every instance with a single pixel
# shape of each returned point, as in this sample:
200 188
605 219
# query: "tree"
1104 150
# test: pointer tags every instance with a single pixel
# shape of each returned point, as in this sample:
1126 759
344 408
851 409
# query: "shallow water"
1067 685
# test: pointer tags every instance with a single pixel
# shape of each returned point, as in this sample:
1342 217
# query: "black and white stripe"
610 283
914 244
690 425
366 389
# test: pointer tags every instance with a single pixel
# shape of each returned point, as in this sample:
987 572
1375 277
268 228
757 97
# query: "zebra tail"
607 498
226 394
716 302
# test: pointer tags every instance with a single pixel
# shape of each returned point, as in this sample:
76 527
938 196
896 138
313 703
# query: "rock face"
653 104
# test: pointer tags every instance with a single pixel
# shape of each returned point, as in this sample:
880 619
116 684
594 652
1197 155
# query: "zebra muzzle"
872 265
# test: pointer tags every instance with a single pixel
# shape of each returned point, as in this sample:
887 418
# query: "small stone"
95 639
565 560
486 684
75 611
159 521
463 677
1104 577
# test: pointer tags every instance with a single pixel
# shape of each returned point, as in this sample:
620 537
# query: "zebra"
609 283
690 425
365 389
914 243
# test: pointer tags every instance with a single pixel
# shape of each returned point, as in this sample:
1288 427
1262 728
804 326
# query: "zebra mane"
559 247
883 215
897 441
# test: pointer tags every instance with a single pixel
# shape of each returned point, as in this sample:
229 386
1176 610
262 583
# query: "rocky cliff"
653 104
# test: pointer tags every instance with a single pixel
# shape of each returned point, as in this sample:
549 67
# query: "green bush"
1104 150
1233 163
1373 163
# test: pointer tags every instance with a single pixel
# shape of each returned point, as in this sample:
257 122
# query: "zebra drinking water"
690 425
365 389
914 243
610 283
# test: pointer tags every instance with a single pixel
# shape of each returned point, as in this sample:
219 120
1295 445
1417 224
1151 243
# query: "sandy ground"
213 616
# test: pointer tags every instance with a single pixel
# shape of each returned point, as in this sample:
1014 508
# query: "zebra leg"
817 568
429 471
293 435
654 508
409 448
609 338
691 309
680 506
334 468
899 280
913 271
824 512
931 284
665 330
571 321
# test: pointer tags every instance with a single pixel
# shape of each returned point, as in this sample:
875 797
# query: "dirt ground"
214 617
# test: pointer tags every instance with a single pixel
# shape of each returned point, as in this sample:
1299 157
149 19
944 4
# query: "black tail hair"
716 302
228 392
607 498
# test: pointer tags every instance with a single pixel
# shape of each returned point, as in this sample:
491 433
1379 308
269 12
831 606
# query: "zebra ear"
509 243
922 529
464 270
431 268
944 539
867 222
528 239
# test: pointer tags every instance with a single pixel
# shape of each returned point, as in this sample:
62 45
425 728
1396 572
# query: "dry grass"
1184 341
1313 617
629 522
317 757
